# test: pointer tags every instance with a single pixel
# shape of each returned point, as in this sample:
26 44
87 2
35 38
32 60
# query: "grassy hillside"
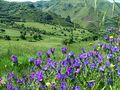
12 11
80 10
60 30
42 49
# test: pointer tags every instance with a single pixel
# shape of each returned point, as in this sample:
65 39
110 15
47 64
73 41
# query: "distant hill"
27 11
81 11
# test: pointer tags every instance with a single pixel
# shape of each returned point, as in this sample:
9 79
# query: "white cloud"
114 0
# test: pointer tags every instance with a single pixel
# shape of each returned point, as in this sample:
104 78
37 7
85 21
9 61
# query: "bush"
7 37
17 39
23 37
95 38
35 37
65 42
2 30
39 37
65 34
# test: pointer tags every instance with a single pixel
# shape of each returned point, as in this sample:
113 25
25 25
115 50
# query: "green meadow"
60 45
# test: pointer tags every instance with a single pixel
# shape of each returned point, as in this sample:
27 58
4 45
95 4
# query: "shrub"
23 37
2 30
7 37
17 39
65 42
35 36
39 37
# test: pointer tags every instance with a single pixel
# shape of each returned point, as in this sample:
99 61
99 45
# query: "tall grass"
113 9
95 1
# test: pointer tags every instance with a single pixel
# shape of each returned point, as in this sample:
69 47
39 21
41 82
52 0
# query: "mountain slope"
27 11
81 11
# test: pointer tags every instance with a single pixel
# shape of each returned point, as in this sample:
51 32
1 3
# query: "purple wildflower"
106 37
45 67
69 71
71 54
118 73
91 84
100 44
52 85
117 66
109 56
100 57
86 62
83 50
94 48
21 81
16 88
31 60
64 50
90 54
11 74
52 50
39 53
92 66
119 59
115 49
14 59
59 76
38 62
82 56
101 68
76 88
39 76
48 53
43 87
107 64
63 86
77 71
110 81
76 64
0 81
53 65
9 86
110 39
49 60
32 76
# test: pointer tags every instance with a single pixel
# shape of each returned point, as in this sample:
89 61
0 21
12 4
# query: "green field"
60 45
25 49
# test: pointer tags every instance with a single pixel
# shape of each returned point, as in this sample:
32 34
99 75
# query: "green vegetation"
26 28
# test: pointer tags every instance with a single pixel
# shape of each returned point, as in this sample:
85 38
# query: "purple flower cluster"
14 59
74 72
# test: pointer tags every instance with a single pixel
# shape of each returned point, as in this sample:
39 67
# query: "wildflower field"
59 45
63 67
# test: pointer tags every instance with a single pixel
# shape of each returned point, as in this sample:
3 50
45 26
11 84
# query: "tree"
92 28
7 37
22 36
40 37
49 17
68 19
2 30
35 37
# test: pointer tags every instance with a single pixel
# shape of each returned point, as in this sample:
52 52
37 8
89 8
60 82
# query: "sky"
46 0
25 0
115 0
